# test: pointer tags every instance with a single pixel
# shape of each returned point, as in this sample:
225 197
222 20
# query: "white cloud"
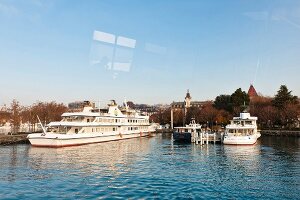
290 16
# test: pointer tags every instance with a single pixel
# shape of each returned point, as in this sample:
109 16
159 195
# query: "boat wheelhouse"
241 130
186 133
92 125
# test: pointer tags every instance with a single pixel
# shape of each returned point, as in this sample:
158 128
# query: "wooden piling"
214 137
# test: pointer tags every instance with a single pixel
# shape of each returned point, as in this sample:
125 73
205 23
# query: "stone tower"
187 100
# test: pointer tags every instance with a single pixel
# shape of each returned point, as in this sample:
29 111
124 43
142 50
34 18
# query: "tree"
192 113
238 99
164 116
208 114
223 117
284 97
223 102
4 115
15 110
47 112
262 108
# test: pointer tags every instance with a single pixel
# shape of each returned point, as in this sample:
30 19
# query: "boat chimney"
244 115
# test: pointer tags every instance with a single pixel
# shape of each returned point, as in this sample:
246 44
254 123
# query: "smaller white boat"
242 130
184 133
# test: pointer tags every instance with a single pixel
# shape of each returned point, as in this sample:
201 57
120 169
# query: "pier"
206 137
13 139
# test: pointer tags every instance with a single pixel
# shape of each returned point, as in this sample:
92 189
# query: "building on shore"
187 103
79 105
144 109
252 92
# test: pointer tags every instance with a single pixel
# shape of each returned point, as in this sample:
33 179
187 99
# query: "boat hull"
60 140
240 140
182 137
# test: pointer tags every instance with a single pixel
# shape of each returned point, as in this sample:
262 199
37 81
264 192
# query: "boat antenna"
126 106
43 128
244 107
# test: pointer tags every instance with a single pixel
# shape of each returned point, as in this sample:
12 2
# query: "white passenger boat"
241 130
92 125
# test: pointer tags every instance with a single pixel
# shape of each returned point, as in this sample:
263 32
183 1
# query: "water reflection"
115 157
244 159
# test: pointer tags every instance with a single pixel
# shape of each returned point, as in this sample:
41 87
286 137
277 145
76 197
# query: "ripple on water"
152 168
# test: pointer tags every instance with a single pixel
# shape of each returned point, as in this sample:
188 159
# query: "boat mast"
43 128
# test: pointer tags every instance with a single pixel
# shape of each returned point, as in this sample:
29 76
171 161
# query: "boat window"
76 130
87 120
248 122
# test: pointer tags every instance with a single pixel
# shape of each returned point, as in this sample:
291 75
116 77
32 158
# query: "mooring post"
207 138
172 119
214 137
201 142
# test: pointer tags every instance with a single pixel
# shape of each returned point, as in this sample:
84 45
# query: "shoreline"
286 133
13 139
22 138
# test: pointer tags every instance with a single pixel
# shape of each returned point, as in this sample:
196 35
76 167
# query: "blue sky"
48 49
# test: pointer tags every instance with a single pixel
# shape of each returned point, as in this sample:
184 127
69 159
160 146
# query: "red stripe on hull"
242 144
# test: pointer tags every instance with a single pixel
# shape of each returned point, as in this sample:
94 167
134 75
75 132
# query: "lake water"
146 168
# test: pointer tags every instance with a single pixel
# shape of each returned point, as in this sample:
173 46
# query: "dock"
13 139
206 137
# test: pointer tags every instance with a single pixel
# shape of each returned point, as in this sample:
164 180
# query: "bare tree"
15 110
